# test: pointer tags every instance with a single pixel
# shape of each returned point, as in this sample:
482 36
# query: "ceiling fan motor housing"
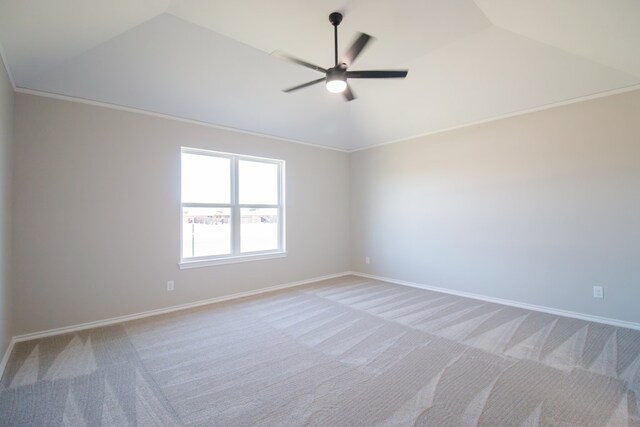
337 73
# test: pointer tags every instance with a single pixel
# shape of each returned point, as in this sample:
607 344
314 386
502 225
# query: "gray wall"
6 142
536 208
96 214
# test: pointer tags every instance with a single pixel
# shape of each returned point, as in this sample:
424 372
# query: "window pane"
205 179
258 229
258 183
206 231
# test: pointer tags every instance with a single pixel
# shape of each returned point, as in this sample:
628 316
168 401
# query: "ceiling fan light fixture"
336 81
336 85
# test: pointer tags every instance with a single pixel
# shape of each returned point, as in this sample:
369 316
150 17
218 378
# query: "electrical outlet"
170 285
598 292
367 260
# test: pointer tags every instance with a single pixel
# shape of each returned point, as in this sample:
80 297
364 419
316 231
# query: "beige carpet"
346 352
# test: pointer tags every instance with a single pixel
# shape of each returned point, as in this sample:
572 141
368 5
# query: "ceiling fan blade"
285 56
377 74
348 94
355 49
291 89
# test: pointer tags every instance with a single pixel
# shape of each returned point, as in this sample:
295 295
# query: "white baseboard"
120 319
5 357
550 310
125 318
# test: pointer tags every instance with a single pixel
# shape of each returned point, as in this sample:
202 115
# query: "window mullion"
235 209
250 206
206 205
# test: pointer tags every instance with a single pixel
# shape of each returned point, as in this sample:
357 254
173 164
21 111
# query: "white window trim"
235 206
230 260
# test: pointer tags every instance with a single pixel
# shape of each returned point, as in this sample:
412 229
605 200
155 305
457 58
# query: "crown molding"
86 101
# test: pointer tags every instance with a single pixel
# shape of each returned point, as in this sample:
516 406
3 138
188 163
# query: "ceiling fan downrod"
335 18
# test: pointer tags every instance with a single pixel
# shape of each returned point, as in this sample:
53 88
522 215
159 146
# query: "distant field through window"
232 207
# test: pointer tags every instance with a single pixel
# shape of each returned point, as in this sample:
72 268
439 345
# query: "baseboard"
533 307
5 357
125 318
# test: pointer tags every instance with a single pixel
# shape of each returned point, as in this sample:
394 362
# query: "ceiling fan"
336 77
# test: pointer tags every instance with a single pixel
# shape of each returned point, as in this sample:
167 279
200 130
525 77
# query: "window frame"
235 207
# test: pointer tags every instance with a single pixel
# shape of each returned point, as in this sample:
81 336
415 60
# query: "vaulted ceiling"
209 60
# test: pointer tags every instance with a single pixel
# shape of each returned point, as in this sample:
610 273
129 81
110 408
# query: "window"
232 208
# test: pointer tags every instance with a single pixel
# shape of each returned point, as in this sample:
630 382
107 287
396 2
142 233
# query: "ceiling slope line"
111 106
549 106
570 52
60 62
504 25
5 62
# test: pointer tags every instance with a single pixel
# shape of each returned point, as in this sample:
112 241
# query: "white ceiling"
209 60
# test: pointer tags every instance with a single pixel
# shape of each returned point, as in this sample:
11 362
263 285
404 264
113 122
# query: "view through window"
232 206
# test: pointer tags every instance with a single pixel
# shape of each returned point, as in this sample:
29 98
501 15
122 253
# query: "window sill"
230 260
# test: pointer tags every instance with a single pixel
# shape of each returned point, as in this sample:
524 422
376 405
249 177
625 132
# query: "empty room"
320 213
